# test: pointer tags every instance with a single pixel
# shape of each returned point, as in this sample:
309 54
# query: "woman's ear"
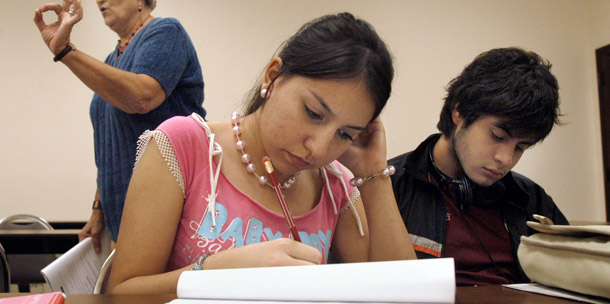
271 73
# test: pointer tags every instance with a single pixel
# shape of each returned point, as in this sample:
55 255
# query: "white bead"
235 117
251 168
385 172
262 180
240 145
392 170
237 130
245 158
264 93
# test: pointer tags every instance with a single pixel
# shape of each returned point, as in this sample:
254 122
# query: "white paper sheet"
190 301
75 272
555 292
416 281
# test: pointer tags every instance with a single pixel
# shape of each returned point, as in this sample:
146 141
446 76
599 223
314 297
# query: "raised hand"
57 34
367 155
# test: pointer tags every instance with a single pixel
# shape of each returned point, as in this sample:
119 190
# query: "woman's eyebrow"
322 102
329 111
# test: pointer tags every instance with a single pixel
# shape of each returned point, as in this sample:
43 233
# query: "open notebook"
415 281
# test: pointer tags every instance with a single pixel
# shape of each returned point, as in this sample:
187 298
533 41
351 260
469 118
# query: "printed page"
419 281
75 272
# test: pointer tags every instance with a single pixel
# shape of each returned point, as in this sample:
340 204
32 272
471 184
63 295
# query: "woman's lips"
297 161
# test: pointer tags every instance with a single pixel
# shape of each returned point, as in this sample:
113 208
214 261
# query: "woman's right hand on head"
367 154
279 252
57 34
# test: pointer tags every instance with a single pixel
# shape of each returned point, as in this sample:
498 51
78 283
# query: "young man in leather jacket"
456 192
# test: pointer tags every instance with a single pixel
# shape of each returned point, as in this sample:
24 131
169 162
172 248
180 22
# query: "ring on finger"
72 11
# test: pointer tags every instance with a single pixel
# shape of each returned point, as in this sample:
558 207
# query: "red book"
43 298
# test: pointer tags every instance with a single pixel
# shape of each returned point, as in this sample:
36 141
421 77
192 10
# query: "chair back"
26 267
102 278
24 221
5 278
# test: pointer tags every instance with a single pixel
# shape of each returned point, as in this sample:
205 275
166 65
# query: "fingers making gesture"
57 34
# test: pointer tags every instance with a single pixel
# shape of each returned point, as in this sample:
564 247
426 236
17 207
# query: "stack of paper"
419 281
76 271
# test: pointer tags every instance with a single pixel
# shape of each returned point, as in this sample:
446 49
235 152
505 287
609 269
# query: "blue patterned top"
164 51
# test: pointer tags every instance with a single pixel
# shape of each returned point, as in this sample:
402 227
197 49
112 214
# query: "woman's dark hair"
509 83
336 47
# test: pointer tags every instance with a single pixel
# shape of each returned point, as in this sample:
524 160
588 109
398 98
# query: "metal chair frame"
102 277
26 221
12 222
6 271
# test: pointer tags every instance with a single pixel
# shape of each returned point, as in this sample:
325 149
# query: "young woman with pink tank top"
201 198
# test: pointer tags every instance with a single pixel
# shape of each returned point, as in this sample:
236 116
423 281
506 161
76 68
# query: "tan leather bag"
575 258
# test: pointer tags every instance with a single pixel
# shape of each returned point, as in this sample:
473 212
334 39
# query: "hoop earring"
264 93
139 5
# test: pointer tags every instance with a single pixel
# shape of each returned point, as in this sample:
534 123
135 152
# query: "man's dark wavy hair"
510 83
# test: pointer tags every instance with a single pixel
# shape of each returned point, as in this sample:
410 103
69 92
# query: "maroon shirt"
472 262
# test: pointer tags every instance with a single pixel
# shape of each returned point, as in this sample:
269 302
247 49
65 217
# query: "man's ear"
271 73
456 117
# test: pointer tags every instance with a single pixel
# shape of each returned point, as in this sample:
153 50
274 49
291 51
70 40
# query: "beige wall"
46 161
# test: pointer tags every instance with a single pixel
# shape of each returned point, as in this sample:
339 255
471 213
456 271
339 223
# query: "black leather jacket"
423 208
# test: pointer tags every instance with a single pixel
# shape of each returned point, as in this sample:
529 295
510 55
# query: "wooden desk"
465 295
119 299
38 241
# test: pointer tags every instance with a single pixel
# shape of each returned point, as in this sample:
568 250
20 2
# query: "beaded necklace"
121 49
246 159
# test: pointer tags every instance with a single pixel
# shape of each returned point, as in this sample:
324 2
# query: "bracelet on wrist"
69 47
359 181
199 264
97 204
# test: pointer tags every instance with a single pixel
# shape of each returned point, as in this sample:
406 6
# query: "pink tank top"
240 220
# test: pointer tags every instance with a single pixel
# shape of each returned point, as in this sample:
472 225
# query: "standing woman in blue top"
152 74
